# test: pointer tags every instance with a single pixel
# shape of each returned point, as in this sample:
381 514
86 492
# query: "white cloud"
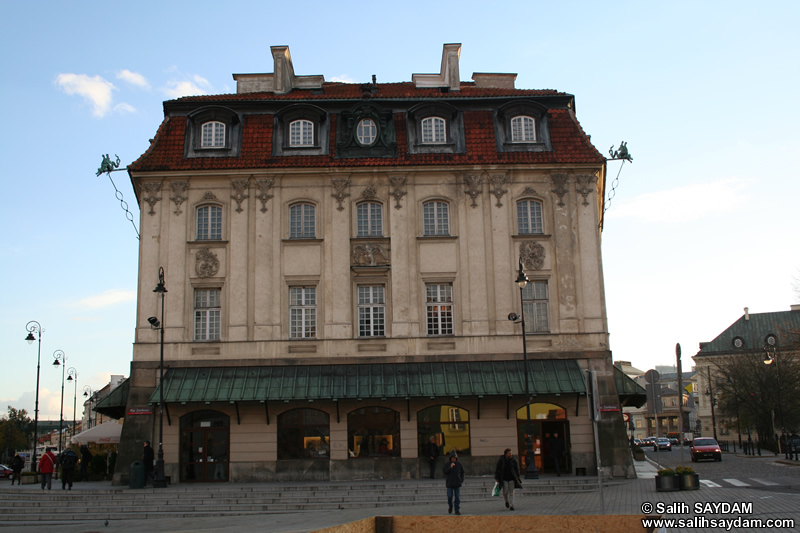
683 204
124 108
134 78
96 90
194 86
107 299
343 78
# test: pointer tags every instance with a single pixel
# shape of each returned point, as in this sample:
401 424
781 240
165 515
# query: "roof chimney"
794 307
746 313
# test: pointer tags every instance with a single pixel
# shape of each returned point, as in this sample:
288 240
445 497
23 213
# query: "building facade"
340 261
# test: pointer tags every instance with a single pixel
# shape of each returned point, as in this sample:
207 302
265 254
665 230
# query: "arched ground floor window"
549 427
448 425
204 446
373 432
304 434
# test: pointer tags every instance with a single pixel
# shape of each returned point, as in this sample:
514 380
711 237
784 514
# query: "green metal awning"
386 380
630 393
115 403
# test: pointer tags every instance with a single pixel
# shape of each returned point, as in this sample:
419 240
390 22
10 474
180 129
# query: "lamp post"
712 399
87 393
73 377
531 472
32 327
60 360
770 355
159 481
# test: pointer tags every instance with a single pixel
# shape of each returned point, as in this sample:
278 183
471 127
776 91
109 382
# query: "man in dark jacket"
431 452
454 477
17 464
147 458
68 460
86 458
556 446
507 475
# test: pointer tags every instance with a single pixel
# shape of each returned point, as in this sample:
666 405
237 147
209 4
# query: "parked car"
662 443
705 448
5 472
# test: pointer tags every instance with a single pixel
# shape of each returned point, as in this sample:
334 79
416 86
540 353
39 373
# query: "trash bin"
136 476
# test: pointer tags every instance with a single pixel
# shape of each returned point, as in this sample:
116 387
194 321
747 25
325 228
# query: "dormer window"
213 135
523 129
433 130
301 133
367 132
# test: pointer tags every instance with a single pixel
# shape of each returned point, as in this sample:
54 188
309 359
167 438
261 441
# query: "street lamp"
770 355
531 471
32 327
89 395
712 399
159 481
60 360
73 376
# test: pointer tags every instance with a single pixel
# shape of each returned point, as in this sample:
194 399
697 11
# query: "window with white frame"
371 311
367 132
302 221
435 218
213 135
209 223
523 129
439 308
369 219
455 419
207 314
302 312
535 305
434 130
301 133
529 217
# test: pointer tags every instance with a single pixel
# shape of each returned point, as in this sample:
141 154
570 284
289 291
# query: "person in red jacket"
47 465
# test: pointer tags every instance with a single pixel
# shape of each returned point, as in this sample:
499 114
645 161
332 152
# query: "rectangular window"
439 307
435 218
455 419
301 133
302 312
302 221
529 217
207 314
209 223
534 305
371 311
433 130
213 135
369 220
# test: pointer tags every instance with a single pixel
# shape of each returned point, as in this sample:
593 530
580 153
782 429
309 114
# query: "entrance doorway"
547 419
205 442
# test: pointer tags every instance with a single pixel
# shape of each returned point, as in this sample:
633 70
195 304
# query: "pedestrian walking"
86 458
507 475
556 451
68 461
454 476
47 465
147 458
17 464
431 452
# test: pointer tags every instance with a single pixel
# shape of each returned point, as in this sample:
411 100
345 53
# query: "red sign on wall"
140 411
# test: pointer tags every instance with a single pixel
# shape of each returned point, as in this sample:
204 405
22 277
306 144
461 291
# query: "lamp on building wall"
73 376
531 471
60 360
32 327
159 481
89 395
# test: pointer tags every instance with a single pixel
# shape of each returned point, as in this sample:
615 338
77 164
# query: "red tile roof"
569 142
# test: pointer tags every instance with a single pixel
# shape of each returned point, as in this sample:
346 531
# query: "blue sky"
703 223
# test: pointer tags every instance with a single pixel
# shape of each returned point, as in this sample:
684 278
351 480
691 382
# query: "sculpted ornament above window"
206 263
532 254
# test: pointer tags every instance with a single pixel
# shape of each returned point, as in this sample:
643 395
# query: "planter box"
667 483
29 480
689 481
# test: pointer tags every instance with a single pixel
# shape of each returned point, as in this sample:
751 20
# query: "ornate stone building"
340 262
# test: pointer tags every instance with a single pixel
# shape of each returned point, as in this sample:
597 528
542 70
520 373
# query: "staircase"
223 499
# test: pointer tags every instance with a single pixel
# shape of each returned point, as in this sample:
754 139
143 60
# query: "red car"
705 448
5 472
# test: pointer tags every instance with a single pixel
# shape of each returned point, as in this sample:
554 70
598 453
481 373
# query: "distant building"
340 261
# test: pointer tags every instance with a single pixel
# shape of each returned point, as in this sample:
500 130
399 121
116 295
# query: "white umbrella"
105 433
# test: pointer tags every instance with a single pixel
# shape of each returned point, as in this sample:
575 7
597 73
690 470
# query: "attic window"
738 342
213 135
301 133
367 132
523 129
433 130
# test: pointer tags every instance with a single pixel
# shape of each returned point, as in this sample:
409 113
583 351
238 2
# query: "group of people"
49 463
506 474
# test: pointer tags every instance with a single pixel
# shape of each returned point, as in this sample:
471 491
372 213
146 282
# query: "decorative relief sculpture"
339 185
397 182
583 185
498 181
264 188
560 182
474 183
149 195
206 263
178 190
209 196
369 254
532 255
530 191
370 193
240 194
